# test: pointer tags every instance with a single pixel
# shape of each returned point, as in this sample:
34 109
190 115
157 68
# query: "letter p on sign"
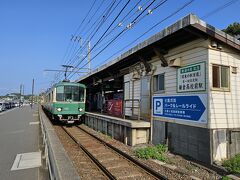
158 106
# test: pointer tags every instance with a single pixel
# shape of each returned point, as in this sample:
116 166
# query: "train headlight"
59 109
80 109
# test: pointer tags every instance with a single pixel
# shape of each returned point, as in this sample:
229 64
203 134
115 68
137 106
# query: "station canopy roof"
183 31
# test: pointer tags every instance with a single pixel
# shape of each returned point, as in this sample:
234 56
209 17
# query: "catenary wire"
114 38
219 9
150 29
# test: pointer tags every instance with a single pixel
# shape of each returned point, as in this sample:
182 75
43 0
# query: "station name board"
192 78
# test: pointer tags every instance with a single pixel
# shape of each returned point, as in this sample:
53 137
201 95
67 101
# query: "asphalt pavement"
20 154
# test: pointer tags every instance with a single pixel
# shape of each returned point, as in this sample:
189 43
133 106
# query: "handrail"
132 107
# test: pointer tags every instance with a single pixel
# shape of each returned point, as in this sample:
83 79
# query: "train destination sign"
181 107
191 78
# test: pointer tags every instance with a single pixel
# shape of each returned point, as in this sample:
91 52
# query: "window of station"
159 83
220 77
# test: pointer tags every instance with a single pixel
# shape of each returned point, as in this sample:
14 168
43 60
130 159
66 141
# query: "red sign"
114 108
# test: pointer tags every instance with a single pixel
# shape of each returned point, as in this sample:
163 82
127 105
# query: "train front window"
60 93
70 93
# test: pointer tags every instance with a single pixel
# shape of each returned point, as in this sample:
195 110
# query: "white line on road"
33 123
26 161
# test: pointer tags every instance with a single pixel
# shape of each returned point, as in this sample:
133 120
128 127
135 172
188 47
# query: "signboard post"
181 107
192 78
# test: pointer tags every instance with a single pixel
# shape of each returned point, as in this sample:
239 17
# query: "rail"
125 155
106 172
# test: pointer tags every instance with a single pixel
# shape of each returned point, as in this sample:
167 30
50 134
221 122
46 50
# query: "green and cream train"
65 101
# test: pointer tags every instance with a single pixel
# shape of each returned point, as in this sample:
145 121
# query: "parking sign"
181 107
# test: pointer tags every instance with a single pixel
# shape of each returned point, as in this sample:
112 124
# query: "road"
19 133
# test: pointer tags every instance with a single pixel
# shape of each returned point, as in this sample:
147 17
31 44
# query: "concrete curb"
59 164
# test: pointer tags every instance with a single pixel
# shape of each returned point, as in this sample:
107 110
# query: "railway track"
113 163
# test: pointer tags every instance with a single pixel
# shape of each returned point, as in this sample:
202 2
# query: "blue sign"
180 107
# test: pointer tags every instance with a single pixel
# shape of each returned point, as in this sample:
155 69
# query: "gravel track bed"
184 169
84 166
125 169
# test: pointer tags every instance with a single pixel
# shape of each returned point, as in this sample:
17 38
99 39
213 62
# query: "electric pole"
20 94
32 91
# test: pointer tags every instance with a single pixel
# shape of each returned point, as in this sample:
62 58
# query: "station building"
180 87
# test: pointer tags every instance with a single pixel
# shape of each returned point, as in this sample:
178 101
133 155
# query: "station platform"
20 152
130 132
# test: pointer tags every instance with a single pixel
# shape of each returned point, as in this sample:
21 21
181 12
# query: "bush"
155 152
225 178
233 164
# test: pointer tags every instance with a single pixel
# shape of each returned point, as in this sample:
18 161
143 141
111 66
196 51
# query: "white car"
2 106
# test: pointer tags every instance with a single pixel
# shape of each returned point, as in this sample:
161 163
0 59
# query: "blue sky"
35 34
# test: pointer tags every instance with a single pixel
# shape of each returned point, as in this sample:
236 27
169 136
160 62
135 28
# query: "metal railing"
132 107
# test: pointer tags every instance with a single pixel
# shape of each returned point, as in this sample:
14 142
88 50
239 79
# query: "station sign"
192 78
180 107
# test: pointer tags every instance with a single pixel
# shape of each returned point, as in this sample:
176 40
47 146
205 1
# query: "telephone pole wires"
89 56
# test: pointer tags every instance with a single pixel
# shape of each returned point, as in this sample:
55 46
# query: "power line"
71 53
150 29
115 36
219 9
102 16
102 20
121 33
69 50
161 3
116 25
117 16
122 20
91 18
85 16
82 23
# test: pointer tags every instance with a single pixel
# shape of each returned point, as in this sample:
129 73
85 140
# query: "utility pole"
20 95
32 92
89 56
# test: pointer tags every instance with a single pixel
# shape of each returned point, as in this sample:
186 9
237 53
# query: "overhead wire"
78 28
123 19
117 16
150 29
85 16
92 17
105 15
102 20
117 35
69 50
219 9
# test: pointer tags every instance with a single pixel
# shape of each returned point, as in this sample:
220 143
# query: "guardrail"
59 164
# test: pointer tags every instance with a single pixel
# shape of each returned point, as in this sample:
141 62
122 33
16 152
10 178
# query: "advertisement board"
181 107
114 108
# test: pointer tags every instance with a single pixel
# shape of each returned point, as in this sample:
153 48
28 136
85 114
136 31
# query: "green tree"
233 29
